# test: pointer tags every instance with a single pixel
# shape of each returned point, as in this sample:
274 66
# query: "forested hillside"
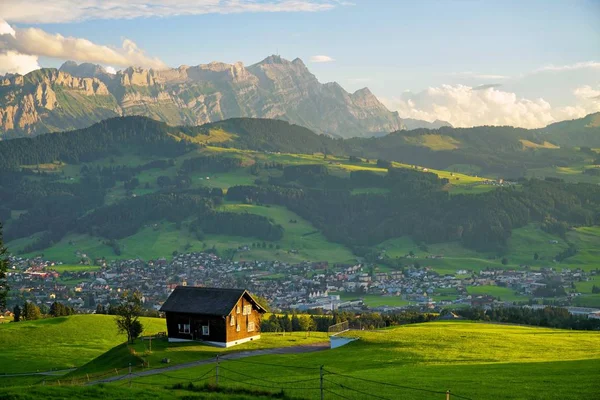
121 176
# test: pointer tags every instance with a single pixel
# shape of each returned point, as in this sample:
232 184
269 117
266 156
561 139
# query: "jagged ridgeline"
75 96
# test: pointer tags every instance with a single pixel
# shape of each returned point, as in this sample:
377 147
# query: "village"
302 287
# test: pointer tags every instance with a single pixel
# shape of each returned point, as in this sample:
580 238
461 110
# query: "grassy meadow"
413 362
475 360
61 343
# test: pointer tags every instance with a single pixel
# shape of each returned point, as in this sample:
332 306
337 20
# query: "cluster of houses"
301 286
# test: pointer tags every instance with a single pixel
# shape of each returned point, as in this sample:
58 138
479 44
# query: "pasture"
61 343
474 360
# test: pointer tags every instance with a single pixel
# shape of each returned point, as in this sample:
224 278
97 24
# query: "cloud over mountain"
465 106
60 11
20 48
321 59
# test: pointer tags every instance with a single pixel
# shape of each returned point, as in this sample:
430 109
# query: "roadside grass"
61 343
475 360
142 357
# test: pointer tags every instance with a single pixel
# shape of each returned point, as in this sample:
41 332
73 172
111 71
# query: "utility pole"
321 376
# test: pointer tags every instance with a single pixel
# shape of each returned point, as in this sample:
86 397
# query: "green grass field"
475 360
60 343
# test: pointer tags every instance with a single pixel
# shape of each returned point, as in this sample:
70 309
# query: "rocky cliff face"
77 95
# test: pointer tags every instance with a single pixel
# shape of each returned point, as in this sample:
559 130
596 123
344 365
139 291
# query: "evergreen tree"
17 313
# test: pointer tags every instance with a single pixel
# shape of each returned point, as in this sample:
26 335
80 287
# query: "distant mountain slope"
411 123
502 151
578 132
76 96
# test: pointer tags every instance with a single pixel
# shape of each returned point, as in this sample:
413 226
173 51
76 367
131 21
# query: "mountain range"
75 96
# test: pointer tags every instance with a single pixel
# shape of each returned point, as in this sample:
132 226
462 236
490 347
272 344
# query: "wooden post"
88 377
321 376
448 394
217 373
129 374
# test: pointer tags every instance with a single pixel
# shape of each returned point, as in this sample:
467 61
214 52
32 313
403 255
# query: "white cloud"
463 107
60 11
570 67
6 29
110 70
14 63
321 59
479 76
36 42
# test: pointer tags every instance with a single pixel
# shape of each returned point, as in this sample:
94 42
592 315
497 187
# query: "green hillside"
255 189
421 361
61 343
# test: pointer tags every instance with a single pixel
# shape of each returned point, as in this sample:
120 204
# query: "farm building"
221 317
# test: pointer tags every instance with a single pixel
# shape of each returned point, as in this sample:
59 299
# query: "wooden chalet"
221 317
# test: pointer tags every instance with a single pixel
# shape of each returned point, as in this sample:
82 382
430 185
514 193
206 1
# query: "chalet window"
248 310
250 326
205 330
184 328
237 328
232 320
237 310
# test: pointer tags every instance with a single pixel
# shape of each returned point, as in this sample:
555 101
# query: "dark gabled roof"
207 301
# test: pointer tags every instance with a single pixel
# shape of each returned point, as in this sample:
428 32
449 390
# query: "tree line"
551 317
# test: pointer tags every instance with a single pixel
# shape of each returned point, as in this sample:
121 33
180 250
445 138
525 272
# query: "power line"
278 383
247 382
394 385
357 391
337 394
271 365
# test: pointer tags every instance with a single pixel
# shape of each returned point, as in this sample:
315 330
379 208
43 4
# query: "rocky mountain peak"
190 95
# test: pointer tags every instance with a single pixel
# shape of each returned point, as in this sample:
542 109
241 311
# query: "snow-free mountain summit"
76 96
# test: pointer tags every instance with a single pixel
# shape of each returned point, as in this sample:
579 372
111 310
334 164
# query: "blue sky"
536 50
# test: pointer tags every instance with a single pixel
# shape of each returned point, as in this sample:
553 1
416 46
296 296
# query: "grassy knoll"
476 360
60 343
